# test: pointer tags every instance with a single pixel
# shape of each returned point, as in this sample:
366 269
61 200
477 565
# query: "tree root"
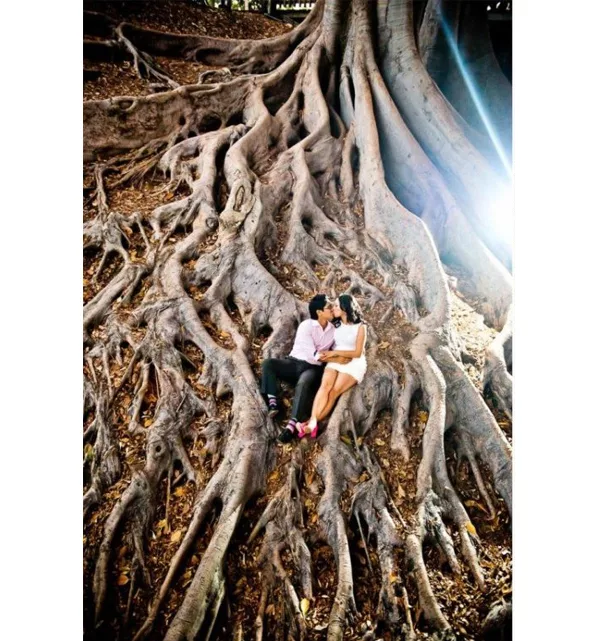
439 134
144 66
282 521
495 371
105 465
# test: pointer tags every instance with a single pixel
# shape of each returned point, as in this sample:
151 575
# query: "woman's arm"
352 353
342 360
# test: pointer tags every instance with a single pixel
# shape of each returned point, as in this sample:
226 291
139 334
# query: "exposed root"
283 522
144 66
428 115
495 372
105 468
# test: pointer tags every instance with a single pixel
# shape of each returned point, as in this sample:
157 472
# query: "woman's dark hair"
316 304
349 305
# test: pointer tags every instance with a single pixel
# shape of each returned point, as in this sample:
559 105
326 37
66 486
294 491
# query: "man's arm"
342 360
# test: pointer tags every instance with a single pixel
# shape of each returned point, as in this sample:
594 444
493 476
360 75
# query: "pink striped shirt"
310 339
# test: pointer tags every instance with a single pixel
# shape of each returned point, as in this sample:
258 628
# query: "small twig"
167 528
130 595
183 397
362 536
90 363
407 609
393 504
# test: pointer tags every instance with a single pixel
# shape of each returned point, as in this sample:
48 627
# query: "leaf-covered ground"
462 602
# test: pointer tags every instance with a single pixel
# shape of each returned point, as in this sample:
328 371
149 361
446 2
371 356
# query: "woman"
349 342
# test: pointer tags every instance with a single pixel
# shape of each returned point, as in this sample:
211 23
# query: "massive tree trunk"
327 153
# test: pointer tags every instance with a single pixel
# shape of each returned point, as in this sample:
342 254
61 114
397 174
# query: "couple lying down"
328 358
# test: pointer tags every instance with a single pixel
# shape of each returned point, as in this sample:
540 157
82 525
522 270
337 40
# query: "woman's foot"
309 428
301 427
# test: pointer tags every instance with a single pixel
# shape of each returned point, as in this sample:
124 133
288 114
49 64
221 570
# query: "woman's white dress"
345 339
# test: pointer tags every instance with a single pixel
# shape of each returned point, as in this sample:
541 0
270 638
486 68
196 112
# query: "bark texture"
330 153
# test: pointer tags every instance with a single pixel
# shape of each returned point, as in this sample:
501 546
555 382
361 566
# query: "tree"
335 138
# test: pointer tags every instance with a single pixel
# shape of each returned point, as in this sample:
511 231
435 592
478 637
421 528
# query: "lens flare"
475 95
501 208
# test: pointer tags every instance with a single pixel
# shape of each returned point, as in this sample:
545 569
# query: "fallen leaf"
304 606
147 422
176 536
423 416
179 491
471 529
379 442
475 504
401 493
383 345
346 439
123 579
270 609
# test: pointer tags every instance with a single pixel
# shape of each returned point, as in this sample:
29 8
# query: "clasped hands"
330 357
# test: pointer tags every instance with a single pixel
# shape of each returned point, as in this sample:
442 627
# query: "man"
301 368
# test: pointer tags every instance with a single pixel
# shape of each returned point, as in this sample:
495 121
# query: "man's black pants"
303 375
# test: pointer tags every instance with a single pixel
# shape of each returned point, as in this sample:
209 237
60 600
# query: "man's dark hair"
319 302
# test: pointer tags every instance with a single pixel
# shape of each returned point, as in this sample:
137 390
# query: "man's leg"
307 387
274 369
308 377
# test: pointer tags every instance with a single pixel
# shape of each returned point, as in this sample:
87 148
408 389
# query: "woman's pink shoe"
301 429
311 428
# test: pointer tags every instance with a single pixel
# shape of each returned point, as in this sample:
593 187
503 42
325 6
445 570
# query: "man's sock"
272 400
291 425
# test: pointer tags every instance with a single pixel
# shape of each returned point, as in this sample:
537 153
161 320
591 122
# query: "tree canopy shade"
326 158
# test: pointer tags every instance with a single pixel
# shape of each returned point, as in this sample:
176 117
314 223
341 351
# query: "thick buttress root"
305 177
283 522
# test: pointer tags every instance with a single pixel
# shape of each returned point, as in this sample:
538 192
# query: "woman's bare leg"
342 384
321 399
